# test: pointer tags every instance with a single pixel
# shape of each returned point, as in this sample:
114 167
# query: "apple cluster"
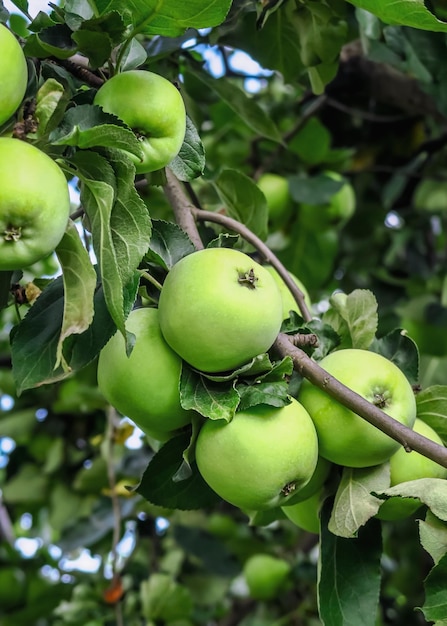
219 309
33 221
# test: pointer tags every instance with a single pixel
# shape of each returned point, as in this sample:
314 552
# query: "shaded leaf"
210 399
433 535
435 605
431 406
401 350
190 161
169 243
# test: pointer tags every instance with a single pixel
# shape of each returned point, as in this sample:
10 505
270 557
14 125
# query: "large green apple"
288 301
34 204
261 458
266 575
276 191
344 437
219 309
13 74
406 466
145 385
306 514
335 213
153 108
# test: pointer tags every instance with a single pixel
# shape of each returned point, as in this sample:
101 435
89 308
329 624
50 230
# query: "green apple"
319 477
344 437
261 458
219 309
336 212
288 301
266 575
145 385
13 74
305 514
406 466
34 204
276 191
154 109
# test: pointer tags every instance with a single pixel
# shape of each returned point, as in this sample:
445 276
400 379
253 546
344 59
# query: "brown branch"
182 207
302 363
77 70
248 235
308 368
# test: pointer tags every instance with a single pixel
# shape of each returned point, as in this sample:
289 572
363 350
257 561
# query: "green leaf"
433 535
430 491
35 340
87 126
210 399
134 56
170 17
431 406
97 47
169 243
354 318
164 599
190 161
402 351
157 484
52 41
79 279
349 575
314 190
412 13
242 104
120 225
271 393
49 100
435 605
243 200
354 505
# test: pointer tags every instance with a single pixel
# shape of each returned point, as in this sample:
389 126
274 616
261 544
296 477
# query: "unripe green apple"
266 575
13 74
336 212
305 514
34 204
261 458
154 109
344 437
219 309
406 466
288 301
145 385
276 191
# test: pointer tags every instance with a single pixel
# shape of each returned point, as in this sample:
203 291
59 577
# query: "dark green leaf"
406 12
271 393
431 406
435 605
349 575
317 190
243 200
210 399
209 550
433 535
157 484
190 161
401 350
169 243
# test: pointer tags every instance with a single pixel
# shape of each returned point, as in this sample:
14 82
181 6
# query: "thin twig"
409 439
262 248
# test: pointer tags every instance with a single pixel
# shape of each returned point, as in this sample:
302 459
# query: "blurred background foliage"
67 515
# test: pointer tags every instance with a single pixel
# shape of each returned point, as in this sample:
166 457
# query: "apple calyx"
12 233
381 399
288 489
248 279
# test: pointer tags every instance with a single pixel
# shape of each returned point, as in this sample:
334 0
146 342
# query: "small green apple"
305 514
335 213
288 301
34 204
153 108
219 309
13 74
406 466
344 437
145 385
319 477
261 458
266 575
276 191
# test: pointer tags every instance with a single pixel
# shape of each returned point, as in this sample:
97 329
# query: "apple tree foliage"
98 527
